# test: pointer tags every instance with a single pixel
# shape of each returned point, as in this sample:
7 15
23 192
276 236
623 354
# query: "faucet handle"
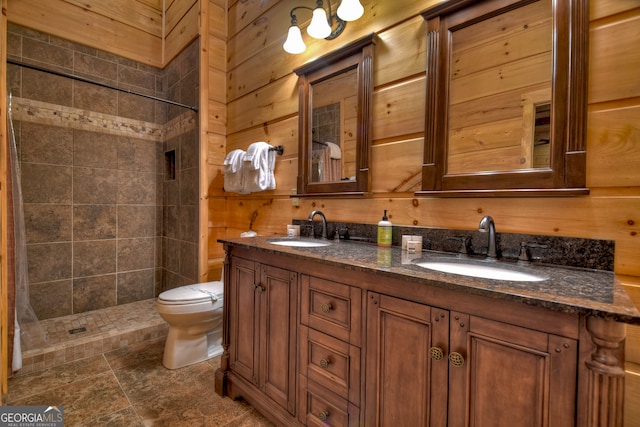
525 254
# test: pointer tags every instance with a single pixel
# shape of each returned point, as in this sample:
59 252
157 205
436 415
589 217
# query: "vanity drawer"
331 307
331 363
320 407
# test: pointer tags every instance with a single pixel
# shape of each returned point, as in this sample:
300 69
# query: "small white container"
293 230
417 247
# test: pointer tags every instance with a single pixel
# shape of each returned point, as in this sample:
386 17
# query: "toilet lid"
198 292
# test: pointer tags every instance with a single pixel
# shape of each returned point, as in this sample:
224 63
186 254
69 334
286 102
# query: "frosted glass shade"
294 43
350 10
319 27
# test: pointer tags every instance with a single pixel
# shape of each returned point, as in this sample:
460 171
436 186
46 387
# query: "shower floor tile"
92 333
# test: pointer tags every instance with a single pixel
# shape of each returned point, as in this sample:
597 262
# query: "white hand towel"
335 151
233 172
259 164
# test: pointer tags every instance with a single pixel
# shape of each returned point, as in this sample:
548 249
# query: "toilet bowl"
194 315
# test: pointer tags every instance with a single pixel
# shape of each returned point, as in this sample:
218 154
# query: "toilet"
194 315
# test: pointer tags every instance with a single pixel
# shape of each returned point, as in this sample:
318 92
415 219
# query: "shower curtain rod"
85 80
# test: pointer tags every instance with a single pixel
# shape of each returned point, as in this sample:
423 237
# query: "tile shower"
109 179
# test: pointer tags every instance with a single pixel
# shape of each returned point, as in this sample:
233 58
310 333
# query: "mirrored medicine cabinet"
506 98
334 123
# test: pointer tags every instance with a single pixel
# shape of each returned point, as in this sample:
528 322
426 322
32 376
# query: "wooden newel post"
606 373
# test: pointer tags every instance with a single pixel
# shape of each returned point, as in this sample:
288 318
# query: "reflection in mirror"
334 116
506 98
335 94
501 69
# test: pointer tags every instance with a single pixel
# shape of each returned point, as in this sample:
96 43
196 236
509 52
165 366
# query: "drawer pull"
326 307
324 363
436 353
324 415
456 359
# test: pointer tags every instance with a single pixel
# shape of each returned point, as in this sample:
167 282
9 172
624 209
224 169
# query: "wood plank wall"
262 106
134 29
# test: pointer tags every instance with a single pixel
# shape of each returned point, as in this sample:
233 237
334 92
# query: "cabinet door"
406 374
277 322
243 322
503 375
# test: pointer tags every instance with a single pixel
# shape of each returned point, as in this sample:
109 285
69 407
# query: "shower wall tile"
46 183
90 97
135 77
45 53
136 286
171 218
51 299
47 223
104 70
189 88
171 252
95 186
136 221
14 45
135 107
188 223
45 87
188 260
14 80
189 150
49 261
136 188
94 222
93 293
95 257
95 150
189 186
137 154
46 144
171 193
136 254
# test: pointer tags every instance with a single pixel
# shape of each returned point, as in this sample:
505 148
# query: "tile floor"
129 386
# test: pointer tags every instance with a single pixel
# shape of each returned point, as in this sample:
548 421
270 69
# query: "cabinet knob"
456 359
259 288
324 415
436 353
324 363
326 307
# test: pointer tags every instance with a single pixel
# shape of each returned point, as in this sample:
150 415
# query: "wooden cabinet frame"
567 172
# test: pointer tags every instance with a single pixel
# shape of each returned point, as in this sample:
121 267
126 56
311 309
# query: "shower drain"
77 330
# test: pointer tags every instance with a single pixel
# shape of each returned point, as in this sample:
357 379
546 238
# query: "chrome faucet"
487 224
324 222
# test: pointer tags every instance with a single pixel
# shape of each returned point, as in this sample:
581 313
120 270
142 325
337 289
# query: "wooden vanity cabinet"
427 366
262 331
329 353
308 343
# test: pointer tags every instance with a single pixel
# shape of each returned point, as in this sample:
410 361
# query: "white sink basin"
484 271
299 243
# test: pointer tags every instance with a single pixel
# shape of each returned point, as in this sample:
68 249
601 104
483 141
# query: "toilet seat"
196 293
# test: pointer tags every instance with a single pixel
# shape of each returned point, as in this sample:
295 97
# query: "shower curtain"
27 331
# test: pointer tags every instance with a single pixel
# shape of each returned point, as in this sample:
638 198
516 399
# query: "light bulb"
319 27
350 10
294 43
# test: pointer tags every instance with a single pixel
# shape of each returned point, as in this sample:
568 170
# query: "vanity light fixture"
321 26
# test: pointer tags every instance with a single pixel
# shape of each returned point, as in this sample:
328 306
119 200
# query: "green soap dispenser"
384 232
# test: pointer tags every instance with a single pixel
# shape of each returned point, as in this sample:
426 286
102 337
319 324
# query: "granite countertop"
565 289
